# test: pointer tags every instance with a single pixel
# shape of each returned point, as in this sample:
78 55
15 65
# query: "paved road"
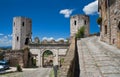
98 59
37 72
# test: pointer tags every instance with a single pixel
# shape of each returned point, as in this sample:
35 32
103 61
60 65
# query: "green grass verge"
51 73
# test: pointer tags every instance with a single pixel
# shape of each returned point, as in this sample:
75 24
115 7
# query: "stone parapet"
70 66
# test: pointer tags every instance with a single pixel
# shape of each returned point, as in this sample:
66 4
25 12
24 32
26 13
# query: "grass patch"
51 73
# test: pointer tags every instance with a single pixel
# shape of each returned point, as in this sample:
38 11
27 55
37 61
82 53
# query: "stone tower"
78 21
21 32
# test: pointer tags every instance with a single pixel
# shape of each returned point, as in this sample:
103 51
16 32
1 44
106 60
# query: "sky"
50 18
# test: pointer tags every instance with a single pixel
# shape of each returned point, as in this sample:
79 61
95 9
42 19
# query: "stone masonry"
16 57
21 32
110 26
76 22
98 59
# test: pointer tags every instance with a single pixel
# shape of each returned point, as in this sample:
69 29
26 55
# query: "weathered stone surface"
22 32
97 59
76 22
110 13
16 57
70 67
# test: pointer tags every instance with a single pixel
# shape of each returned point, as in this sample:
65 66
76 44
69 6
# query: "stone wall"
110 13
76 22
16 57
22 31
70 66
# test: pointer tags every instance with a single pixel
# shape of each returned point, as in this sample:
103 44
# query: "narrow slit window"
85 22
23 23
119 26
17 38
75 22
105 29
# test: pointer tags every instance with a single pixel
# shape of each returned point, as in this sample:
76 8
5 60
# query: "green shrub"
19 69
34 62
62 60
99 20
81 32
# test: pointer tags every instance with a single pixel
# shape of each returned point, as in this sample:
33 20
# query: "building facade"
110 25
22 27
76 22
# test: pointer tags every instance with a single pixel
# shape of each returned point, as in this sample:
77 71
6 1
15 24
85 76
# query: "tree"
81 32
99 20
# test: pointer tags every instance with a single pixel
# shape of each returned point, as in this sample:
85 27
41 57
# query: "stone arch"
55 56
47 58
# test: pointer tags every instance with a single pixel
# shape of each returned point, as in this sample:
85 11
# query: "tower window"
26 41
17 38
105 29
85 22
75 22
23 23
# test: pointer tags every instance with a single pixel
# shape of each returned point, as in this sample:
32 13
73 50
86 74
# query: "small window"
75 22
26 41
113 41
119 26
85 22
105 4
105 29
17 38
23 23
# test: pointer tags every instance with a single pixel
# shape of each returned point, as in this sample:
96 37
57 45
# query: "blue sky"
50 18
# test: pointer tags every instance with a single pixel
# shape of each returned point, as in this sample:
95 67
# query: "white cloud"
5 41
99 26
91 8
48 39
5 37
51 38
61 39
66 12
1 34
10 35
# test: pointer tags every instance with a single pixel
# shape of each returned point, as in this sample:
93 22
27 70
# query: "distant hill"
6 47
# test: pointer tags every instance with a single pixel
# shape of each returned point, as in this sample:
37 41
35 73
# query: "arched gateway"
47 58
57 50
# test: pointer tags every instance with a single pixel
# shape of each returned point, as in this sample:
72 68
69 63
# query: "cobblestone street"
98 59
36 72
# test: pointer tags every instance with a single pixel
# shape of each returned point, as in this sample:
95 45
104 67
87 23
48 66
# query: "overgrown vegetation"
34 62
99 20
52 73
81 32
62 60
19 69
46 53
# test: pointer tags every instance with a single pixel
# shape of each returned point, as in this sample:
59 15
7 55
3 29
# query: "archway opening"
26 41
48 58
